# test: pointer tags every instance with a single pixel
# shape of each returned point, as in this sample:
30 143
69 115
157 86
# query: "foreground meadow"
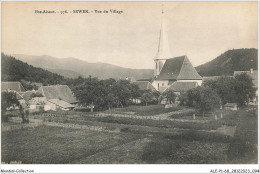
94 138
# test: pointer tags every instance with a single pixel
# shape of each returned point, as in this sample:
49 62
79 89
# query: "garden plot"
128 153
54 145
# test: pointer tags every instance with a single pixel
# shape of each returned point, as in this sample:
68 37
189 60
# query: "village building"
231 106
18 89
144 85
177 69
181 87
12 86
167 69
56 97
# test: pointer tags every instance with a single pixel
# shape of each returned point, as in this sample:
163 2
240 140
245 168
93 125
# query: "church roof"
182 86
178 68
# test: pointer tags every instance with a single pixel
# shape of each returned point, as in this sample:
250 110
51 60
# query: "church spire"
163 47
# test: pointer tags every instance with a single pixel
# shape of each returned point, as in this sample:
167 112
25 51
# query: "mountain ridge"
83 68
225 64
232 60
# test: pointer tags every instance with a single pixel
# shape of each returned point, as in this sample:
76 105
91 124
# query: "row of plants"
149 110
211 125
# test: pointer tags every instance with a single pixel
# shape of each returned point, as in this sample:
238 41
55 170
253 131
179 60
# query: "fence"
54 114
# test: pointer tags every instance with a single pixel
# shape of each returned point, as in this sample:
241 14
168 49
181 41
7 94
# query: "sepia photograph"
149 82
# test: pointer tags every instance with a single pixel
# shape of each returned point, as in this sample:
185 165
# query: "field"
149 110
117 137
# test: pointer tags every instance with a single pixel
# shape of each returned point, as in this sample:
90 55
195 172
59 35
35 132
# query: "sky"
200 30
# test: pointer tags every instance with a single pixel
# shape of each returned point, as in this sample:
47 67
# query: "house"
254 75
36 104
144 85
28 95
12 86
231 106
169 69
18 89
57 97
179 87
62 104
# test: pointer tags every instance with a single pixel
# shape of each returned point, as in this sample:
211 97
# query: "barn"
58 97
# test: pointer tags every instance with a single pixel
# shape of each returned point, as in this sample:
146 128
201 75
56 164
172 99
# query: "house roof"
27 95
62 92
178 68
14 86
182 86
18 96
61 103
144 85
253 74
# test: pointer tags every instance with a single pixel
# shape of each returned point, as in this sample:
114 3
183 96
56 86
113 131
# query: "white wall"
161 83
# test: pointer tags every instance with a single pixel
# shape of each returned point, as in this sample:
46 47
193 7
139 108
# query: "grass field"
135 141
149 110
57 145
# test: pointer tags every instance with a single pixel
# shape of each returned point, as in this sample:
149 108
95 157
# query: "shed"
231 106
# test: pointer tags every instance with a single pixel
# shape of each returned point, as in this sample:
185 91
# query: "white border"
130 168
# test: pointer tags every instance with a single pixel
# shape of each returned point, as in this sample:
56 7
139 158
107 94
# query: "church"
169 71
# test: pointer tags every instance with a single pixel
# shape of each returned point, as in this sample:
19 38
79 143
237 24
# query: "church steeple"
163 51
163 46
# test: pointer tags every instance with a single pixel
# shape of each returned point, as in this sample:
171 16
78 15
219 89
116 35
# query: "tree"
235 90
183 98
8 99
147 97
170 95
203 98
157 96
224 87
104 94
244 89
136 92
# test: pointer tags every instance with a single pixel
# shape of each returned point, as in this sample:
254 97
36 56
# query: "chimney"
251 71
